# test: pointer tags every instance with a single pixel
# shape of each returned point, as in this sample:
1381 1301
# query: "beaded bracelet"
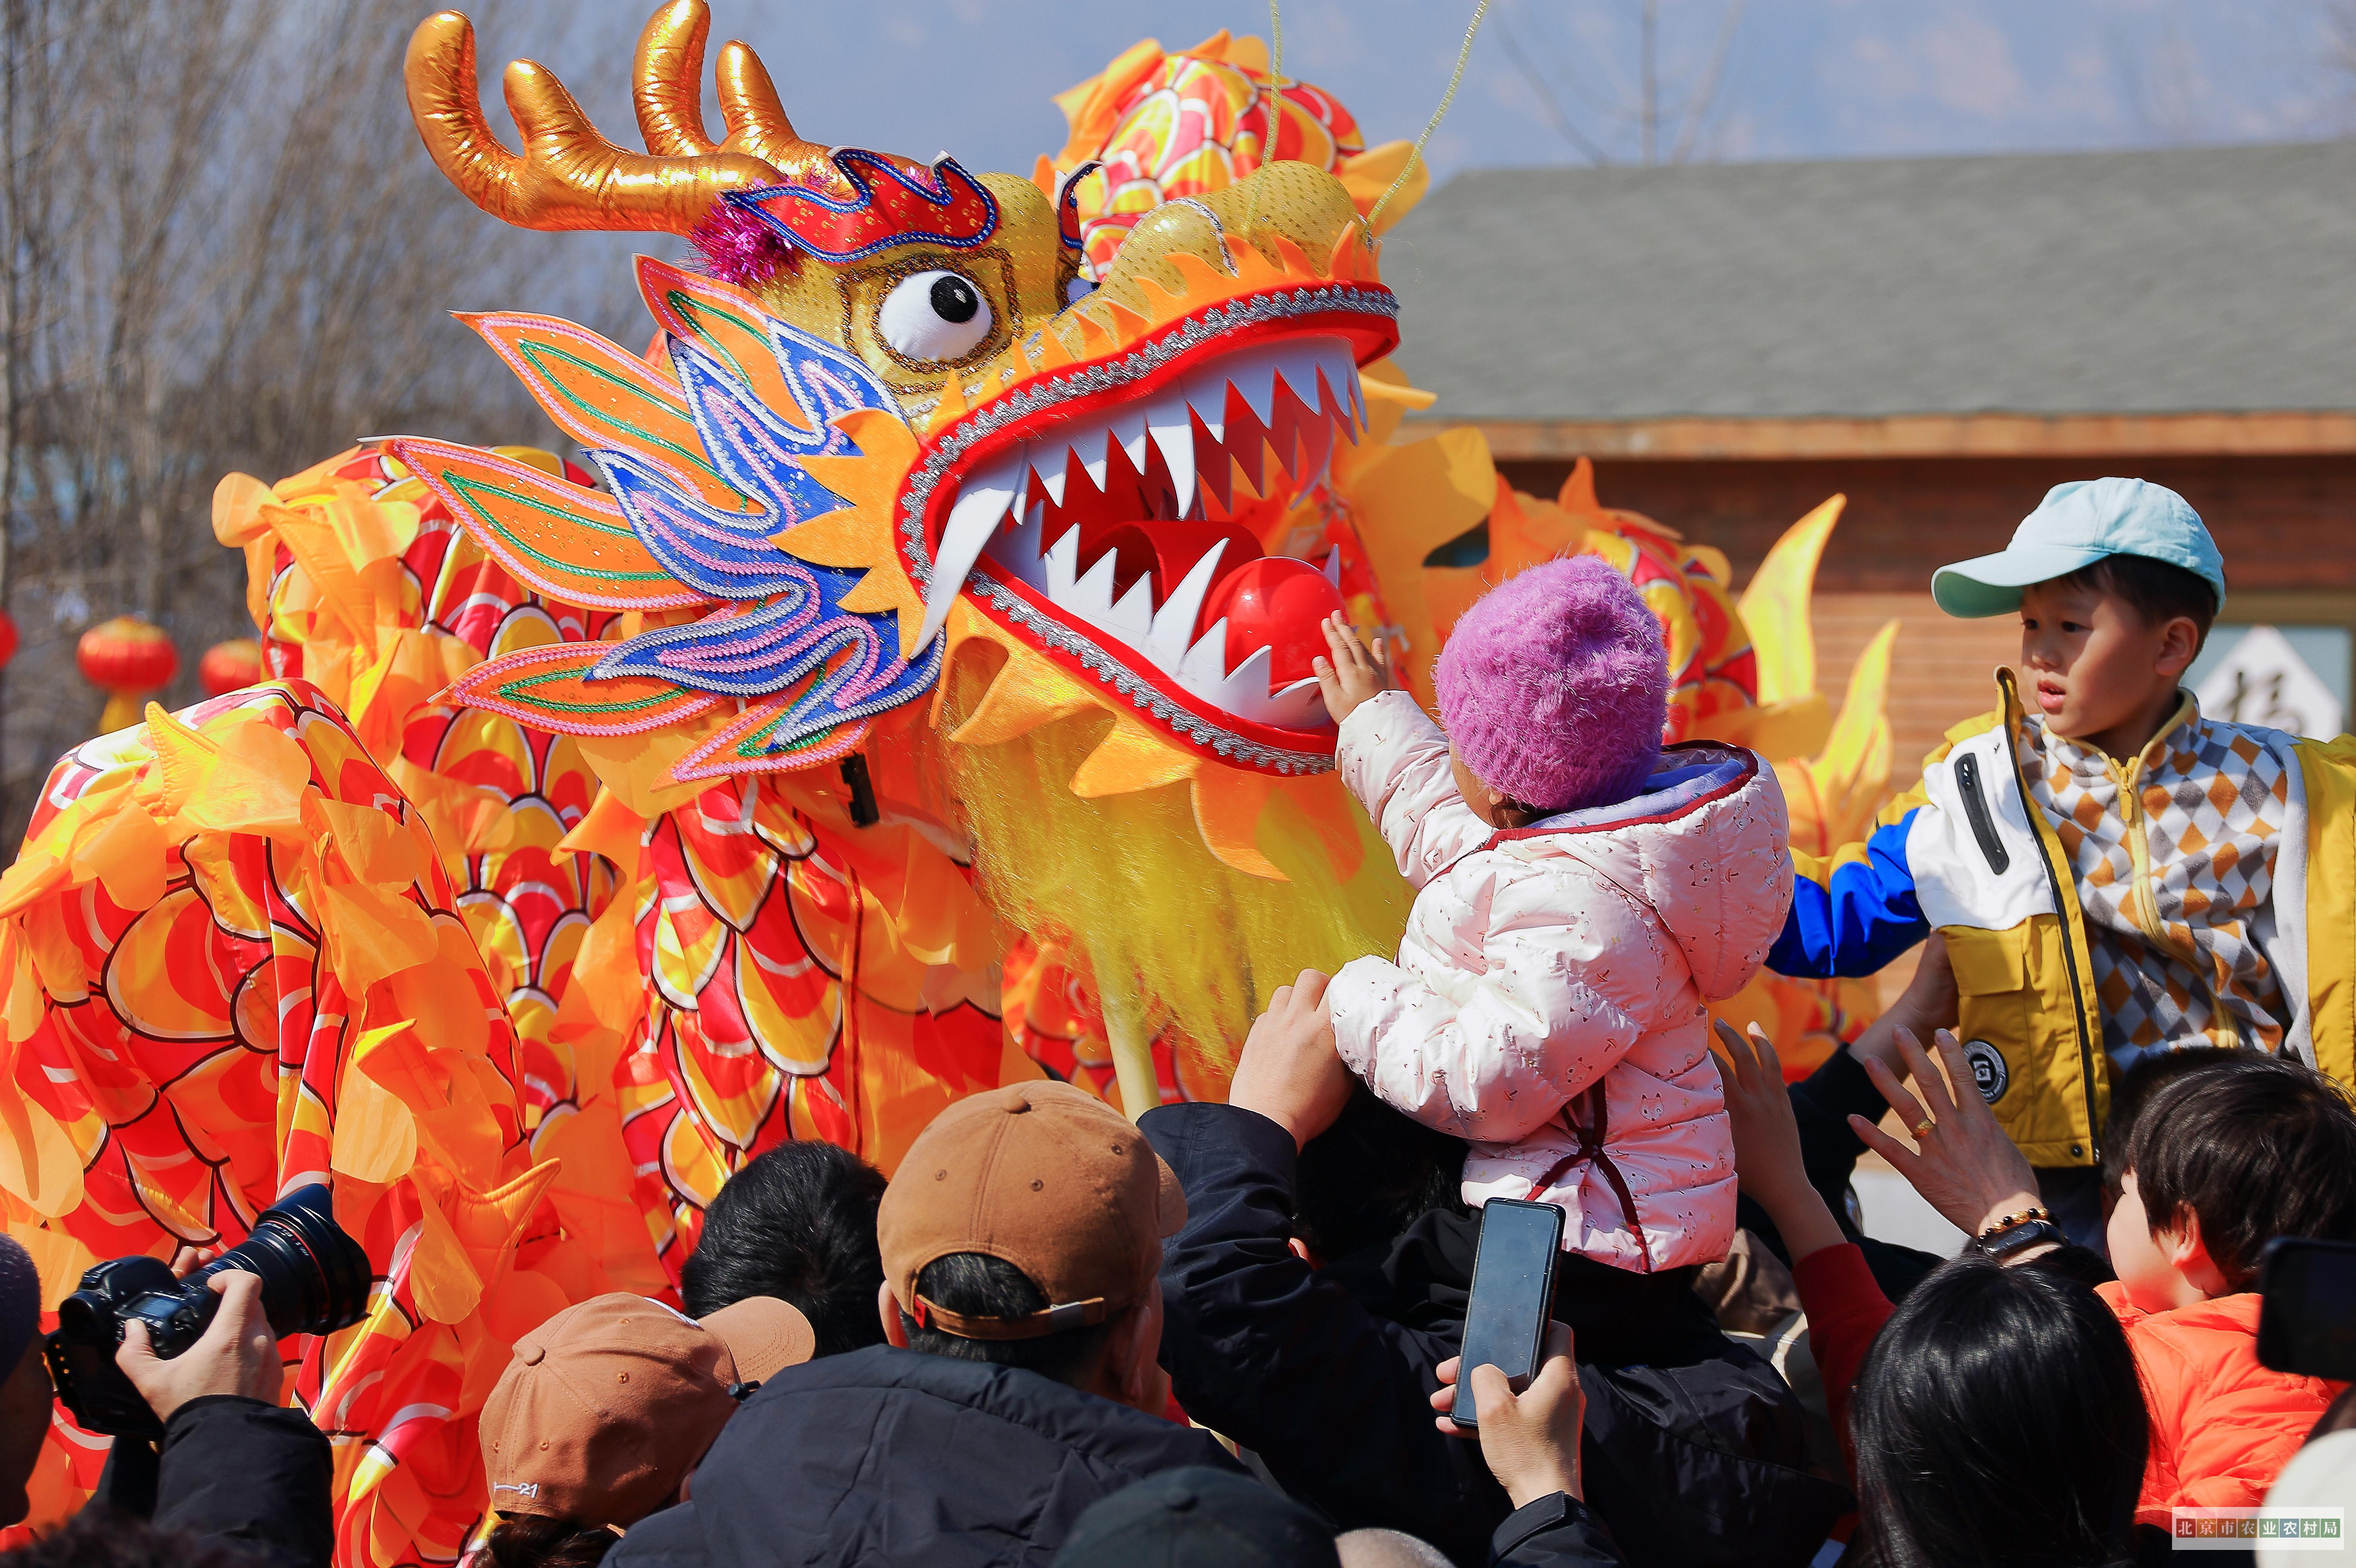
2009 1220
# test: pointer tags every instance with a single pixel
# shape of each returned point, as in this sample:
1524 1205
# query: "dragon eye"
934 315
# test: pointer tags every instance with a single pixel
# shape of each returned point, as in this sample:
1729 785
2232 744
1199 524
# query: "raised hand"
1767 1163
1290 1071
1962 1164
1352 675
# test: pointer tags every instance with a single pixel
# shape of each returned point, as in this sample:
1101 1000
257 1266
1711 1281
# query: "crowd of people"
1230 1332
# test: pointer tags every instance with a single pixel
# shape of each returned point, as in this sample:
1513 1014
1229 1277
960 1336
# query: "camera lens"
314 1277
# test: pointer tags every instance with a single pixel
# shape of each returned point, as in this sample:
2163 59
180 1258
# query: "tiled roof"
2215 279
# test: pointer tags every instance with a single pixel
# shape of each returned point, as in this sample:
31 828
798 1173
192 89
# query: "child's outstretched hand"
1352 675
1767 1164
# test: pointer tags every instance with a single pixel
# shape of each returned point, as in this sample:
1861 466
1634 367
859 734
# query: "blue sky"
1802 77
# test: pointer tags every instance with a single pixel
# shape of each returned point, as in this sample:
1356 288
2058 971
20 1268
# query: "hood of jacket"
883 1455
1706 846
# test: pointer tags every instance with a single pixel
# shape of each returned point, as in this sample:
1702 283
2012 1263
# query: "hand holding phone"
1530 1440
1512 1298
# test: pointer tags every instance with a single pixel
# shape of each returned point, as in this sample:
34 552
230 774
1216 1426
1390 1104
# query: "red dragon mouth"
1092 511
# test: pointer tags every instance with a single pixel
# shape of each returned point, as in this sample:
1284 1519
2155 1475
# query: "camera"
315 1280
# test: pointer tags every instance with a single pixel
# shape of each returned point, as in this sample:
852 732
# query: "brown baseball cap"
604 1408
1047 1177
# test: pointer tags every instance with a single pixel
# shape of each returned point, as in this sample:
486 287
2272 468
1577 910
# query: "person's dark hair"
2133 1091
2254 1147
1998 1422
1367 1178
978 1285
799 1224
99 1537
2153 589
528 1540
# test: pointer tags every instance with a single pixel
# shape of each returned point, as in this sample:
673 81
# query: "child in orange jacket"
2220 1162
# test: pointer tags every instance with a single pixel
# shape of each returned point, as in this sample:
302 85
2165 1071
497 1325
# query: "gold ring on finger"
1922 1128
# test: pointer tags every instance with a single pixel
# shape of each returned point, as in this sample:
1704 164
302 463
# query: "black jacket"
1555 1531
249 1474
883 1455
1695 1451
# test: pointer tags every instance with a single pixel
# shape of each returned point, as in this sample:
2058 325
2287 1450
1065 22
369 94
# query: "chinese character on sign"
2264 681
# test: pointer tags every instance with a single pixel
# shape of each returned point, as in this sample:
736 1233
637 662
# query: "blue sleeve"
1853 913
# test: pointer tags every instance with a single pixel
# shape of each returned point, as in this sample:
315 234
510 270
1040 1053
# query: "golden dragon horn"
668 94
568 176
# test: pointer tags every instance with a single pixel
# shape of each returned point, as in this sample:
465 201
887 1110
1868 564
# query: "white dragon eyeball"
938 315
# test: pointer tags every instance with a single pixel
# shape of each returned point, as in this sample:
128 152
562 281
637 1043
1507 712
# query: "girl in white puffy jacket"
1582 895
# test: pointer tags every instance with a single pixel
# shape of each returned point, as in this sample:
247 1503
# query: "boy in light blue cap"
2110 872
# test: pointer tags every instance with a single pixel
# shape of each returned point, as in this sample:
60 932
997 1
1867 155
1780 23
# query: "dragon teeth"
1093 447
1173 624
1127 430
1206 394
1132 620
1092 595
1319 372
1252 373
1021 550
1204 666
1047 460
982 505
1172 430
1062 564
1246 686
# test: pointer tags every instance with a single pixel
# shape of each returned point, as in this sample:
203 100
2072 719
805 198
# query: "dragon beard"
1125 883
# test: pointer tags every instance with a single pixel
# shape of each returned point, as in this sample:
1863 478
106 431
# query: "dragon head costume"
910 696
996 447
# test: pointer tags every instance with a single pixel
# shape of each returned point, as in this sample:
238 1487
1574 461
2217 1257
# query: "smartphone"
1512 1296
2307 1312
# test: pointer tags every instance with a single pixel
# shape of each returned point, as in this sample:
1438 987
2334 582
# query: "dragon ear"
726 323
606 398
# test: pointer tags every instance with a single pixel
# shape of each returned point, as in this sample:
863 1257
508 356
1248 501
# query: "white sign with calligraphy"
2264 681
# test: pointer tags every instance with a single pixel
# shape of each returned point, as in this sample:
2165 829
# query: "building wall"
2286 525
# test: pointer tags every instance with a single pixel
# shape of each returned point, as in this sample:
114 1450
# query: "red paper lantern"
126 658
229 665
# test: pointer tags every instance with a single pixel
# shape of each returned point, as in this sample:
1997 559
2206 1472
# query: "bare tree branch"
224 250
1545 95
1698 105
1664 104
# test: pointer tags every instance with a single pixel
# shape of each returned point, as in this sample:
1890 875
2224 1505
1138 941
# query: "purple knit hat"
20 1303
1555 686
